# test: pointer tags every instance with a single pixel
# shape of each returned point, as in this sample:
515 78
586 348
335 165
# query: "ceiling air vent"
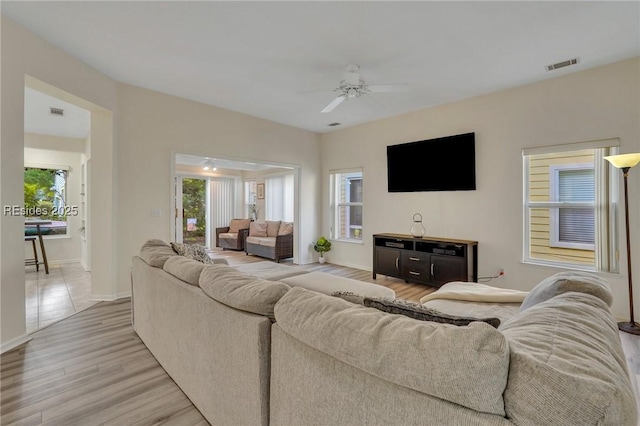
562 64
57 111
333 124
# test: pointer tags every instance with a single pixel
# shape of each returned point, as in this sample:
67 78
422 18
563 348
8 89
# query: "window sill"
55 237
350 241
569 267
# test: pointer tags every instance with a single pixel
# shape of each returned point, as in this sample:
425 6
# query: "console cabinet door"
387 261
448 268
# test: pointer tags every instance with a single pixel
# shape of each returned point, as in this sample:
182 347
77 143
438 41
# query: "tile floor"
58 295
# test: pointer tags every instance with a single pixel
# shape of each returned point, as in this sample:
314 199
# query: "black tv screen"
442 164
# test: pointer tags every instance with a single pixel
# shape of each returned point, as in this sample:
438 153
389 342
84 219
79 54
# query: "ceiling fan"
352 86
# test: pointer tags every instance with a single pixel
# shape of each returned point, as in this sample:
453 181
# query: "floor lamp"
625 162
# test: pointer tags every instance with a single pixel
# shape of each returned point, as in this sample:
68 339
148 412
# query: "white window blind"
278 196
222 202
576 225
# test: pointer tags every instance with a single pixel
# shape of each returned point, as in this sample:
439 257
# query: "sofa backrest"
464 365
241 291
156 252
272 227
237 224
567 364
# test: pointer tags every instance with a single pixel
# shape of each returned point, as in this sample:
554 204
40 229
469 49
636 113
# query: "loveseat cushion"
567 365
273 226
286 228
241 291
465 365
156 252
562 282
262 241
187 270
258 229
237 224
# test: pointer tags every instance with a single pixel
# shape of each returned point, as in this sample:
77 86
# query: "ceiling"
75 122
281 60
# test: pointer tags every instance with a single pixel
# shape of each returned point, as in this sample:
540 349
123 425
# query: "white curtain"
279 198
222 202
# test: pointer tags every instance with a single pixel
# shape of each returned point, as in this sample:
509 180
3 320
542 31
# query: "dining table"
38 223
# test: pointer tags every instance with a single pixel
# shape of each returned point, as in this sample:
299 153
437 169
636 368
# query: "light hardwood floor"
92 369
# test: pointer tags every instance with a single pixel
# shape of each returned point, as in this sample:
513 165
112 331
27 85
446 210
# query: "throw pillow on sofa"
564 282
195 252
411 309
258 229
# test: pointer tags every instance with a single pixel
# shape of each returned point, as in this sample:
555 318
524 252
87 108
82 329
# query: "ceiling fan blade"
334 103
389 88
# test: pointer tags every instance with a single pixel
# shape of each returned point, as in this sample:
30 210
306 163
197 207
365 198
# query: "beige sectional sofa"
250 351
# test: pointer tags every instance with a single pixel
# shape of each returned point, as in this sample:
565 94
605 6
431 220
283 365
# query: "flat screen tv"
442 164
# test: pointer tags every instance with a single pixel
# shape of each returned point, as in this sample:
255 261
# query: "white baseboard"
86 267
64 261
109 297
14 343
350 265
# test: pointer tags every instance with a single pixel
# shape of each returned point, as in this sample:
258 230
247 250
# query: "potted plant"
322 246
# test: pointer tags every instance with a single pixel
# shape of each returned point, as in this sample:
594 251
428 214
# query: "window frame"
606 207
336 205
554 212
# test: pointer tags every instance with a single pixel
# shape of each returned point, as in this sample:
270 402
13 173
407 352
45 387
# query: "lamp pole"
631 326
626 162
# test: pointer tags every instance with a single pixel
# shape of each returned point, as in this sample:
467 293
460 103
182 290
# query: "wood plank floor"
92 369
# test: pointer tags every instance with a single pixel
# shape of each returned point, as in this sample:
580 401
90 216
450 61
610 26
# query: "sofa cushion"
286 228
241 291
228 235
156 252
237 224
187 270
258 229
273 226
465 365
262 241
270 270
562 282
567 363
423 313
327 284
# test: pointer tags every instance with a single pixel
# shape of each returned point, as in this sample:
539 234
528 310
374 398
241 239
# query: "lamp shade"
623 160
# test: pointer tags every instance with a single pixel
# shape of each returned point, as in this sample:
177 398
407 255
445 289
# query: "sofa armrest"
220 231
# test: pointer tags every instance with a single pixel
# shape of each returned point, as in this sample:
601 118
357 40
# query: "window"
346 205
250 206
45 196
570 206
572 227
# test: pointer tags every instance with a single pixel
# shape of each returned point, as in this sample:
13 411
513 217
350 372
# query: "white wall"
153 126
24 54
600 103
67 248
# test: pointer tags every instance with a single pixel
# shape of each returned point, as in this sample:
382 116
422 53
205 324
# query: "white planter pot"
321 259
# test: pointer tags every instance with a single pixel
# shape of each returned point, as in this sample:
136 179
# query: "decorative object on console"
322 246
417 229
625 162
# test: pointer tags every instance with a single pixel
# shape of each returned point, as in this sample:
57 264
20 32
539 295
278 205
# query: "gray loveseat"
252 351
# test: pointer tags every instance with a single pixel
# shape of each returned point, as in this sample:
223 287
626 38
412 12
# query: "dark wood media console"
427 260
